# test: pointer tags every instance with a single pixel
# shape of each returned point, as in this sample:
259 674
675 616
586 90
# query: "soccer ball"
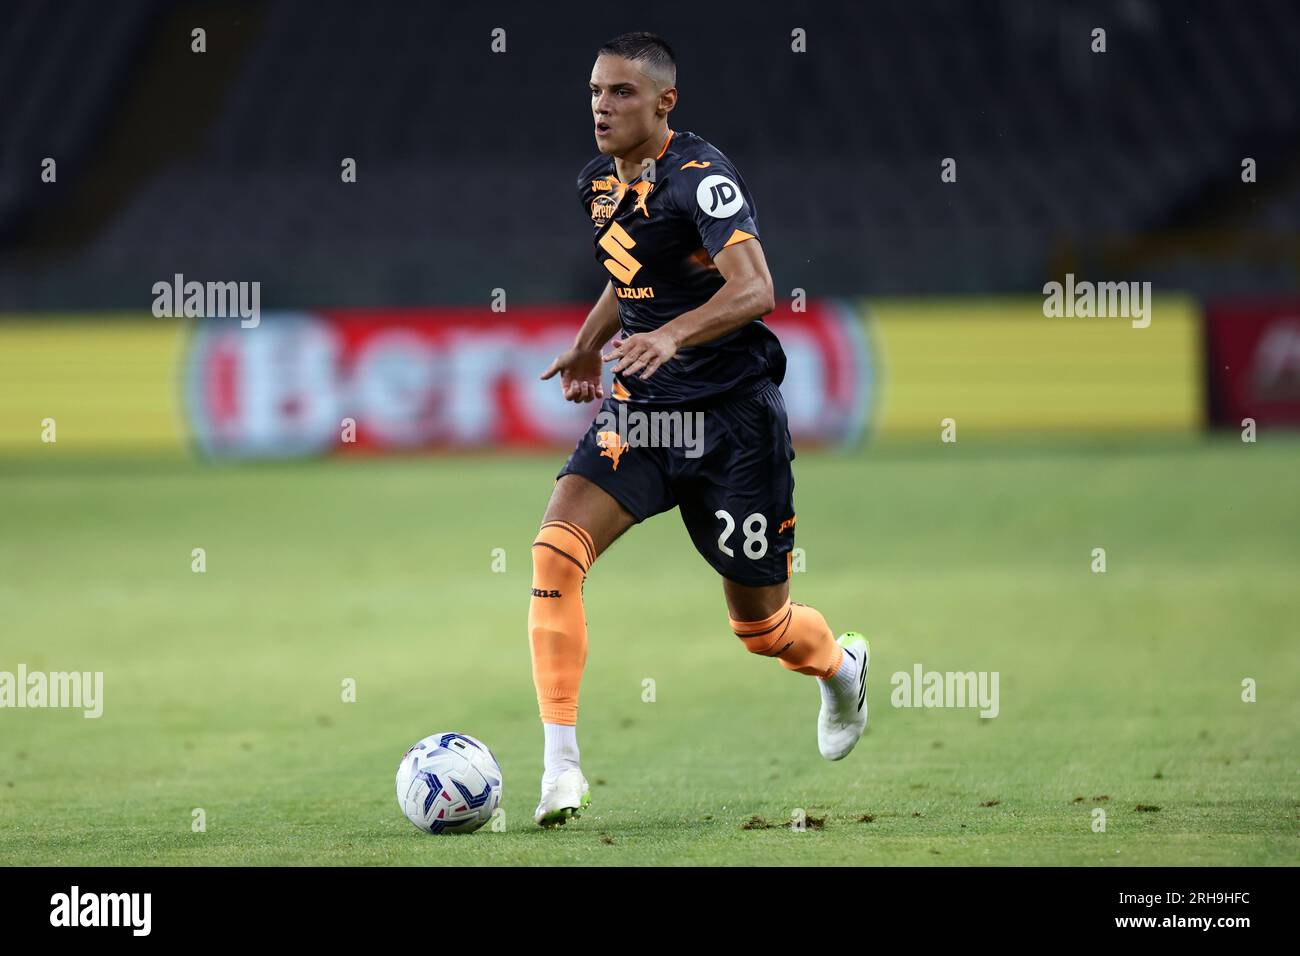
449 783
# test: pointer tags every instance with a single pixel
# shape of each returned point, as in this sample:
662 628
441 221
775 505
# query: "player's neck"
628 166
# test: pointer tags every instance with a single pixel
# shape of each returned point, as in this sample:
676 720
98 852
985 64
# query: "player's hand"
579 374
643 352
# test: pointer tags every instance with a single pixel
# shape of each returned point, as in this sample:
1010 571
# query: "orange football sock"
557 625
797 635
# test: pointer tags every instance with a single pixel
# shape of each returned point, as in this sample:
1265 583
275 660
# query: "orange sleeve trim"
740 235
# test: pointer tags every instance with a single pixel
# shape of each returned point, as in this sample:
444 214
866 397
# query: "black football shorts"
725 466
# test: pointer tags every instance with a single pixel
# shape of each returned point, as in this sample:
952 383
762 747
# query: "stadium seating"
467 158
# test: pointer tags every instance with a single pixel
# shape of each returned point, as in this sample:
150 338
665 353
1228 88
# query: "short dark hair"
648 49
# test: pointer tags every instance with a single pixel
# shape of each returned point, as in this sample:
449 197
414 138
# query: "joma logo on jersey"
545 593
637 292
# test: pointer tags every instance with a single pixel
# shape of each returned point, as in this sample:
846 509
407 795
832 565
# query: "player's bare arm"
747 295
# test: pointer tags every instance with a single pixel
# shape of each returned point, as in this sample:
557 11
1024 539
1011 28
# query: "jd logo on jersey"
718 196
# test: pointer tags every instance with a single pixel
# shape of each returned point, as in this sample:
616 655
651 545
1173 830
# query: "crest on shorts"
613 445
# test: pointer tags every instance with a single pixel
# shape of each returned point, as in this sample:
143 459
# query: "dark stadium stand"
229 167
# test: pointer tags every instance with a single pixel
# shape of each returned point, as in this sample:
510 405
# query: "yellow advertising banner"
94 383
1002 365
109 383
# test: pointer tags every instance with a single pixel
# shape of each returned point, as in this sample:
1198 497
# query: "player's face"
625 104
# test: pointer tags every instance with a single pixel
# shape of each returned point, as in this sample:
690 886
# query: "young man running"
675 232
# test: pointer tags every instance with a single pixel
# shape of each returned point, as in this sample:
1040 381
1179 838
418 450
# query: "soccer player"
675 233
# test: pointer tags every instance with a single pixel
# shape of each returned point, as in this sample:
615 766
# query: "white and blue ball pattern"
449 783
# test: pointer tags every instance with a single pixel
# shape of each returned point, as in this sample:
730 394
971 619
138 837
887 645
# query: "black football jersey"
655 238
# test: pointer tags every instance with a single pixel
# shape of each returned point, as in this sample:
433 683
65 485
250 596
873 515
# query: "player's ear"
667 100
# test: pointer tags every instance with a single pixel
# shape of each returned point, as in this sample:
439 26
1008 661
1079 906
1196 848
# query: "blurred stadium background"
225 166
904 300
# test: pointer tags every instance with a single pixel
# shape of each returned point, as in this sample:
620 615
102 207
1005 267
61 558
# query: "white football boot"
565 795
843 715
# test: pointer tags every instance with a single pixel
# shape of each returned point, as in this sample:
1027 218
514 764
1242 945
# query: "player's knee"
562 554
767 636
749 603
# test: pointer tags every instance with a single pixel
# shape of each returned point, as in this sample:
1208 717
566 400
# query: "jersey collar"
613 165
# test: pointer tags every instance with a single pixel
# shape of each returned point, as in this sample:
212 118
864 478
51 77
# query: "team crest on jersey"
613 444
642 190
602 207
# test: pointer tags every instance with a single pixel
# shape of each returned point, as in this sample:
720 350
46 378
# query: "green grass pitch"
223 689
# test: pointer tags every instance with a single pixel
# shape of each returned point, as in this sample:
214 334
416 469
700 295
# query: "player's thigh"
582 502
738 502
746 537
606 486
